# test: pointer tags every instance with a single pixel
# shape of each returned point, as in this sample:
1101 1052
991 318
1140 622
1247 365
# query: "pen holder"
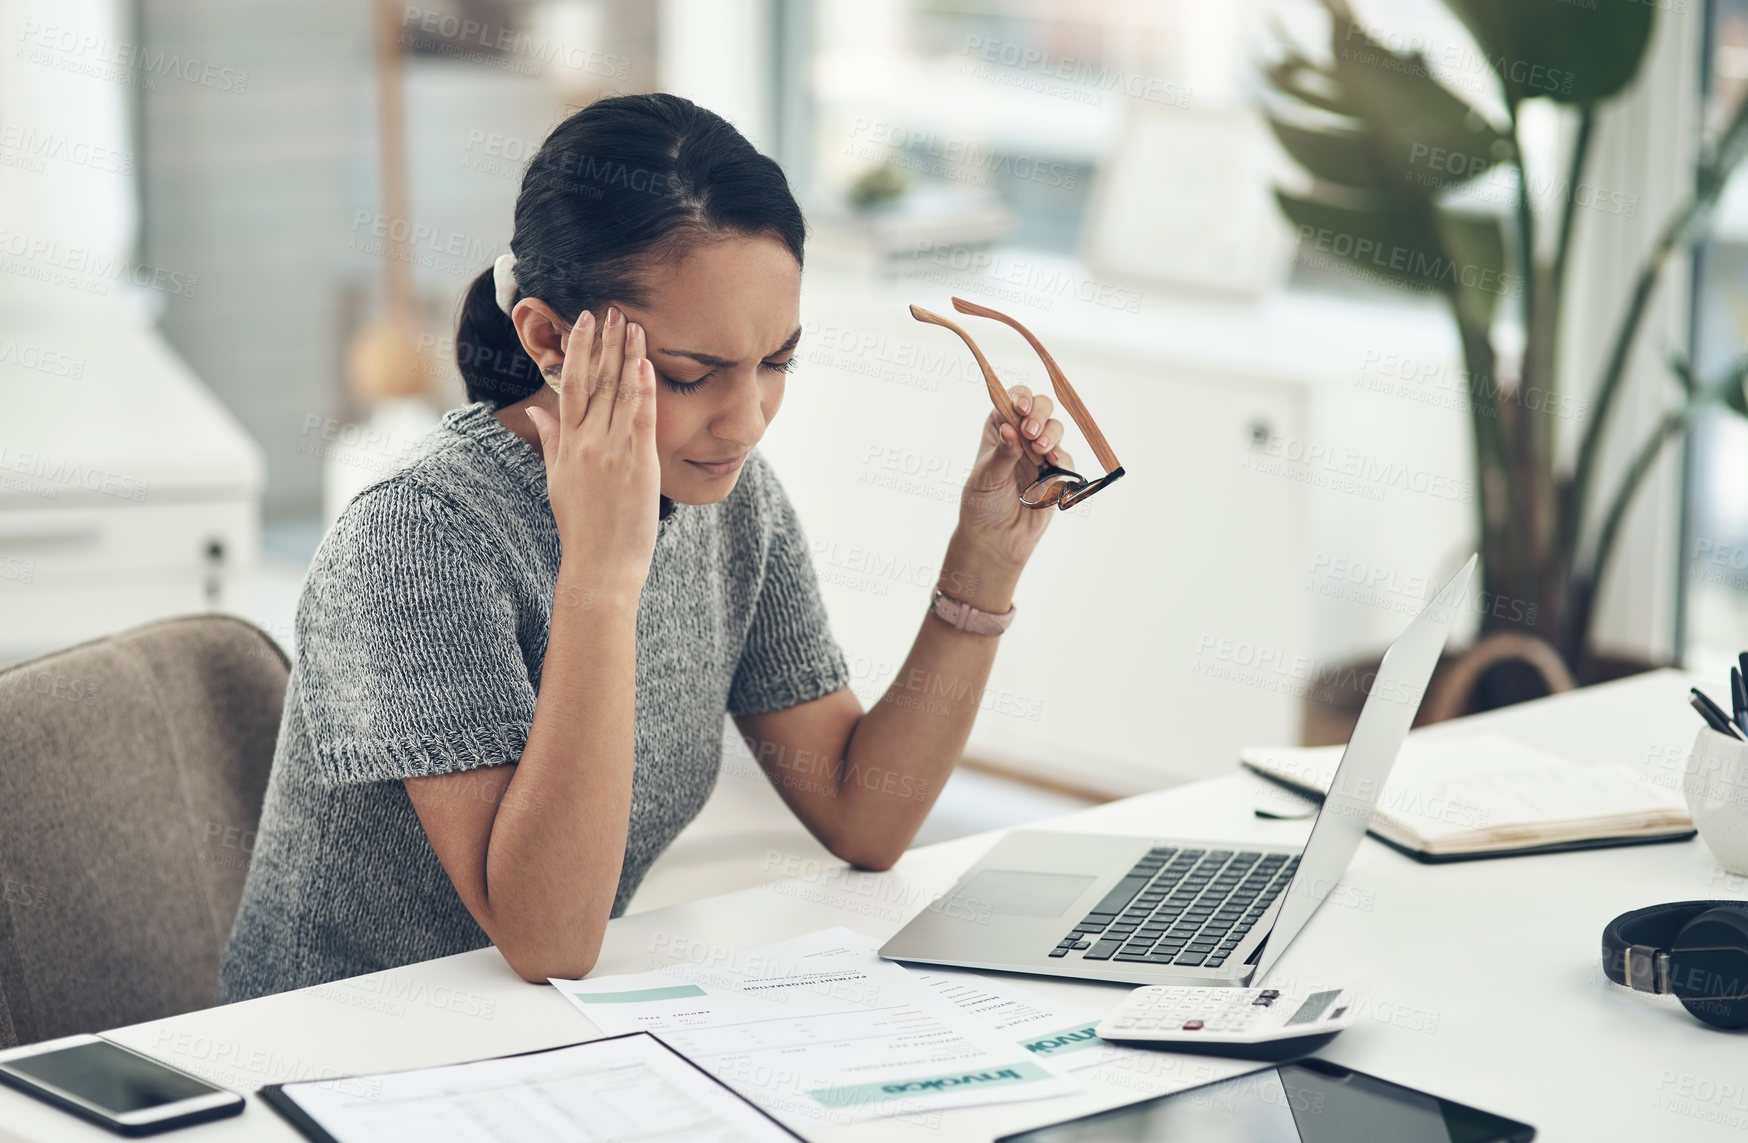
1716 785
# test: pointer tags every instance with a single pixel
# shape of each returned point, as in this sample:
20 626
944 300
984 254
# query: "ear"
541 330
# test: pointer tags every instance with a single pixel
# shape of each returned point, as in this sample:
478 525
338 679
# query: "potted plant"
1385 146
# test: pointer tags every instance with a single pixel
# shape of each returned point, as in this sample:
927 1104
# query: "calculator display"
1313 1007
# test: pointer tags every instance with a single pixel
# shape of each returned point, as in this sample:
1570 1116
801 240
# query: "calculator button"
1192 1025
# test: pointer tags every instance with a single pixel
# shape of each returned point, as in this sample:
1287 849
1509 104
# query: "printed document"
1047 1030
821 1030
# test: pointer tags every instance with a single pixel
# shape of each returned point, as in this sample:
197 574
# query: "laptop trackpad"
1015 893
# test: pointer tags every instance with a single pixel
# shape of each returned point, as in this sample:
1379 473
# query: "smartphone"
113 1086
1312 1101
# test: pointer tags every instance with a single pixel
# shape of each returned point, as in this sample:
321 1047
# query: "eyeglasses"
1053 484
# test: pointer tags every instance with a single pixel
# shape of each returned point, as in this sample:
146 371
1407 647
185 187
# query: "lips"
720 467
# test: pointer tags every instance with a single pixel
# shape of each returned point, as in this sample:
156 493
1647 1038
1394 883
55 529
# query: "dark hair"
620 186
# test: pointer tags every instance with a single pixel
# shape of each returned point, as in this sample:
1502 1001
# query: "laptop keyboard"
1181 906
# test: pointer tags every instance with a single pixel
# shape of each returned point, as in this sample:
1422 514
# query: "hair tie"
504 282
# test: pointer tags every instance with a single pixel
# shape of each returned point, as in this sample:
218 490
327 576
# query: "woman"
515 653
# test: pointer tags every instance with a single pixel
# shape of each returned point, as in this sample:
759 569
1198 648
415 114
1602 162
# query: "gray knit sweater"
421 631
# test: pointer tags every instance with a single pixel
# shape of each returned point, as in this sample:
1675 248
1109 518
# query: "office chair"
132 770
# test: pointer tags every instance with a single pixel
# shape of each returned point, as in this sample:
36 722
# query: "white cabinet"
1164 623
127 493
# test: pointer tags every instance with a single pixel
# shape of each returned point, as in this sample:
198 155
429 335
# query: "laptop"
1157 910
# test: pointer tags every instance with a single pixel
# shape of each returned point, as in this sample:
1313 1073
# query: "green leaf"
1298 77
1736 395
1476 246
1409 245
1559 50
1423 133
1334 155
1683 371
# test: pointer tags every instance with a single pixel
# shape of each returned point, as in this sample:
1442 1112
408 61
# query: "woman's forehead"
735 298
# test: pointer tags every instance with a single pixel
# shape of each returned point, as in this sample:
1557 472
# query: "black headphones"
1696 951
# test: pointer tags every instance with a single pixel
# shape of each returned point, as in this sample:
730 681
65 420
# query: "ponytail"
488 351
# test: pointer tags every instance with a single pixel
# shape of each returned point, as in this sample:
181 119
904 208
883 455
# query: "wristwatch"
957 613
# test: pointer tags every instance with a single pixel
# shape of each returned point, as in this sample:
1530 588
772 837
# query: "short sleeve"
408 657
789 656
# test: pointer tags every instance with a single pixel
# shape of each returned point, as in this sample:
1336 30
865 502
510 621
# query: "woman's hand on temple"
602 474
1008 461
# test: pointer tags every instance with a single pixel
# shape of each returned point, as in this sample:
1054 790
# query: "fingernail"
588 318
1031 428
614 317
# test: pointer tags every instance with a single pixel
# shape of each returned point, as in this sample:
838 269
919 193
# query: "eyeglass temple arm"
997 391
1064 391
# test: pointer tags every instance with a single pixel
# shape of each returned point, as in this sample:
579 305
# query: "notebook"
621 1087
1451 799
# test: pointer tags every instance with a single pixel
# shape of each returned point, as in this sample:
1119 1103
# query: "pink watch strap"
957 613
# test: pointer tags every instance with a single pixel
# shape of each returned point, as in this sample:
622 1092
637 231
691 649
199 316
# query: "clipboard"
285 1102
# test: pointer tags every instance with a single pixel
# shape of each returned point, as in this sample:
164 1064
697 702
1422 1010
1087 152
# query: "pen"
1739 697
1714 717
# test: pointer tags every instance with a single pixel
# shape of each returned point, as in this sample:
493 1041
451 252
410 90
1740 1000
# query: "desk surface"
1479 981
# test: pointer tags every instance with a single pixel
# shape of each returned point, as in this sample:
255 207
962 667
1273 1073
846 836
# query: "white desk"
1480 980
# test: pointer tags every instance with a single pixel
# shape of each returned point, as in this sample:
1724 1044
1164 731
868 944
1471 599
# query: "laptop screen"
1383 725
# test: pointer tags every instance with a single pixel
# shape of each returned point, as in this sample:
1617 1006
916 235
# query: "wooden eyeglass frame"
1053 485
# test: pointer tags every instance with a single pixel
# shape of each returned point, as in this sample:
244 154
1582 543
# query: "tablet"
1312 1101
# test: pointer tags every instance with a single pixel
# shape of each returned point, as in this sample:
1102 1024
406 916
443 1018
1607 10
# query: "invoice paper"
821 1030
1062 1034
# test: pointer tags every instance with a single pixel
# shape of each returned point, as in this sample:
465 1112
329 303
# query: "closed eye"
680 386
674 383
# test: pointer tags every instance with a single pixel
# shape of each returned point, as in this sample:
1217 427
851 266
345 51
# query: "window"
1010 104
1715 554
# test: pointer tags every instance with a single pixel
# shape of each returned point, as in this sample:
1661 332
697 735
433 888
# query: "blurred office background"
196 240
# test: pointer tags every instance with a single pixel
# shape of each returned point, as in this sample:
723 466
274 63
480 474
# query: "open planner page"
1446 794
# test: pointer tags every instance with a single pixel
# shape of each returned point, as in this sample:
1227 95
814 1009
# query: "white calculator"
1251 1023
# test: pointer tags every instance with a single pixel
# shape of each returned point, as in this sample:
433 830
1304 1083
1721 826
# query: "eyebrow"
716 362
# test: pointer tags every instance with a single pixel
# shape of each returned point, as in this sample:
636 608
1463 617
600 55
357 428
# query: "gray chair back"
132 770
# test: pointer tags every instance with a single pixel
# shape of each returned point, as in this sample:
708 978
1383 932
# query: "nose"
746 410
